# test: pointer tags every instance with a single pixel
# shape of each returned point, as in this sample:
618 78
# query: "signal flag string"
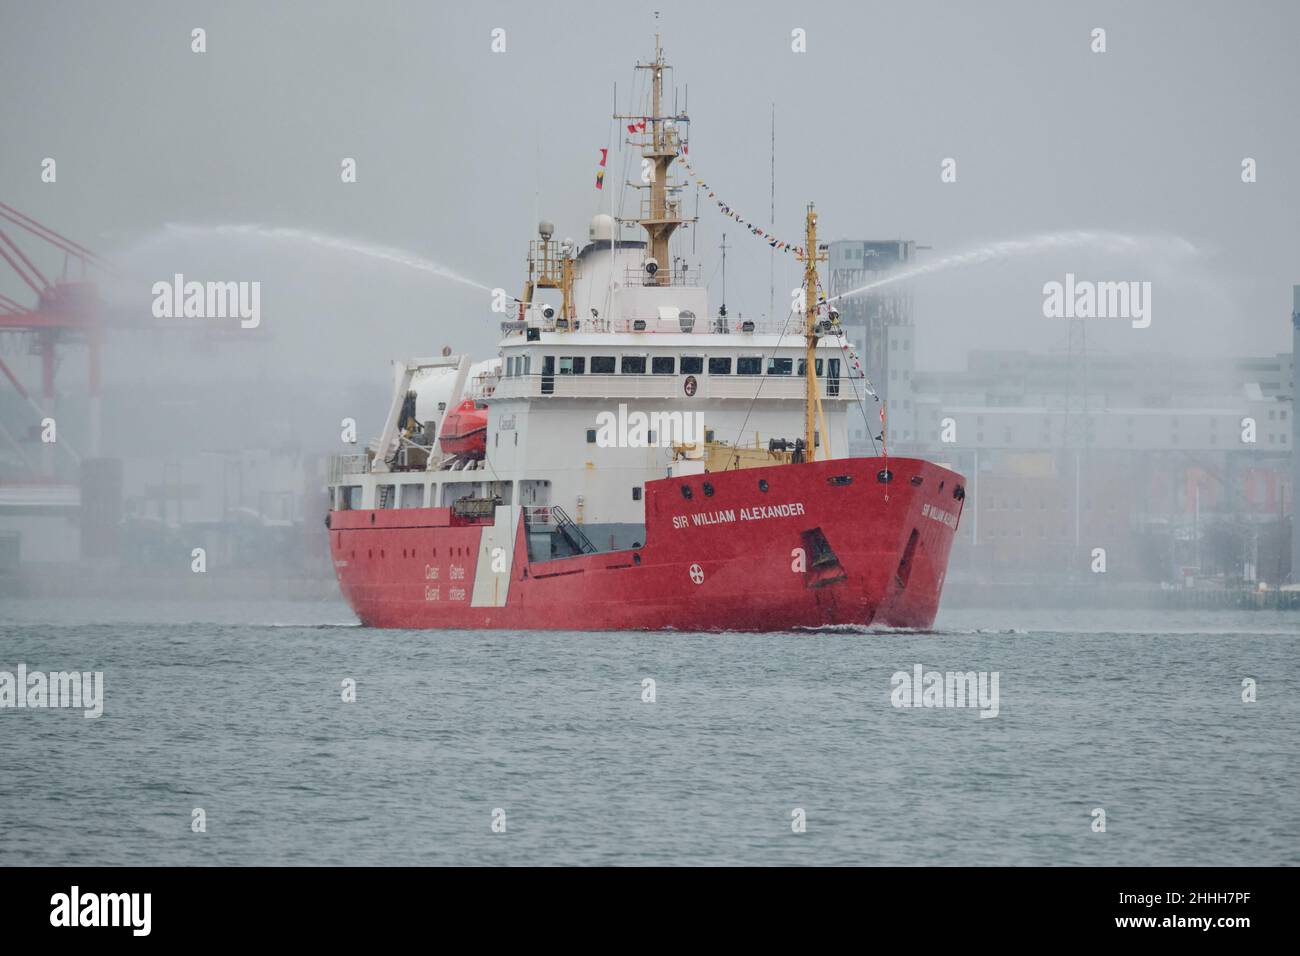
780 245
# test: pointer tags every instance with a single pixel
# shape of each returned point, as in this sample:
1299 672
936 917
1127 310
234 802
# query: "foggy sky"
459 150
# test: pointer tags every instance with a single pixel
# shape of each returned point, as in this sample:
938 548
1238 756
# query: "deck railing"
343 466
651 324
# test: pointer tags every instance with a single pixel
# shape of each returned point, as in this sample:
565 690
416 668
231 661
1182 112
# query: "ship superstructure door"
548 374
535 493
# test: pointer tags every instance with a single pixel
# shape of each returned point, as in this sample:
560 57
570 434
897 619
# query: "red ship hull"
824 544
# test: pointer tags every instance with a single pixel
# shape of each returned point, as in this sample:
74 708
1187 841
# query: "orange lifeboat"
464 431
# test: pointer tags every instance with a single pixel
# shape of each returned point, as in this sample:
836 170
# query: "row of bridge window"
666 365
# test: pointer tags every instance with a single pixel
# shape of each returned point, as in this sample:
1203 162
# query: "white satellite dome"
602 228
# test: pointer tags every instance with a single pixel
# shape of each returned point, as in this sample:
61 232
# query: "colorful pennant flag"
726 210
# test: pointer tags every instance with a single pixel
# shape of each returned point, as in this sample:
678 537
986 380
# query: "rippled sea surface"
238 710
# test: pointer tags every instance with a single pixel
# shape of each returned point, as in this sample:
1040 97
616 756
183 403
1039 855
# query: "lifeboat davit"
464 431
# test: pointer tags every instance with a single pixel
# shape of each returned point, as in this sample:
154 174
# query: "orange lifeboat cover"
464 431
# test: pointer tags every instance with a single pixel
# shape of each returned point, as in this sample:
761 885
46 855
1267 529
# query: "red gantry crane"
66 311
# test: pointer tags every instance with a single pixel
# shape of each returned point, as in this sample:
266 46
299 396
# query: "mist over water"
1140 251
283 234
335 312
333 307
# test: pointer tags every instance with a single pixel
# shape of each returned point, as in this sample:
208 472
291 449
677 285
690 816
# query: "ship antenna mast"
723 311
662 140
811 256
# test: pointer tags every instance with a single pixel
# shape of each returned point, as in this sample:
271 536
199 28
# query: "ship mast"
661 217
811 256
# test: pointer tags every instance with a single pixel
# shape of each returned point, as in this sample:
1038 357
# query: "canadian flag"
638 126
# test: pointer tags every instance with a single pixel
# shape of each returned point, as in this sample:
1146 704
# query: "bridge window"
803 367
591 436
602 365
692 364
749 365
719 365
633 365
780 366
663 365
636 493
573 364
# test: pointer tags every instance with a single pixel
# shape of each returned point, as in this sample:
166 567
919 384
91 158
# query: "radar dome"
602 228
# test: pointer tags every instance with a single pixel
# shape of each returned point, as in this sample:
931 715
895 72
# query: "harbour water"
238 710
